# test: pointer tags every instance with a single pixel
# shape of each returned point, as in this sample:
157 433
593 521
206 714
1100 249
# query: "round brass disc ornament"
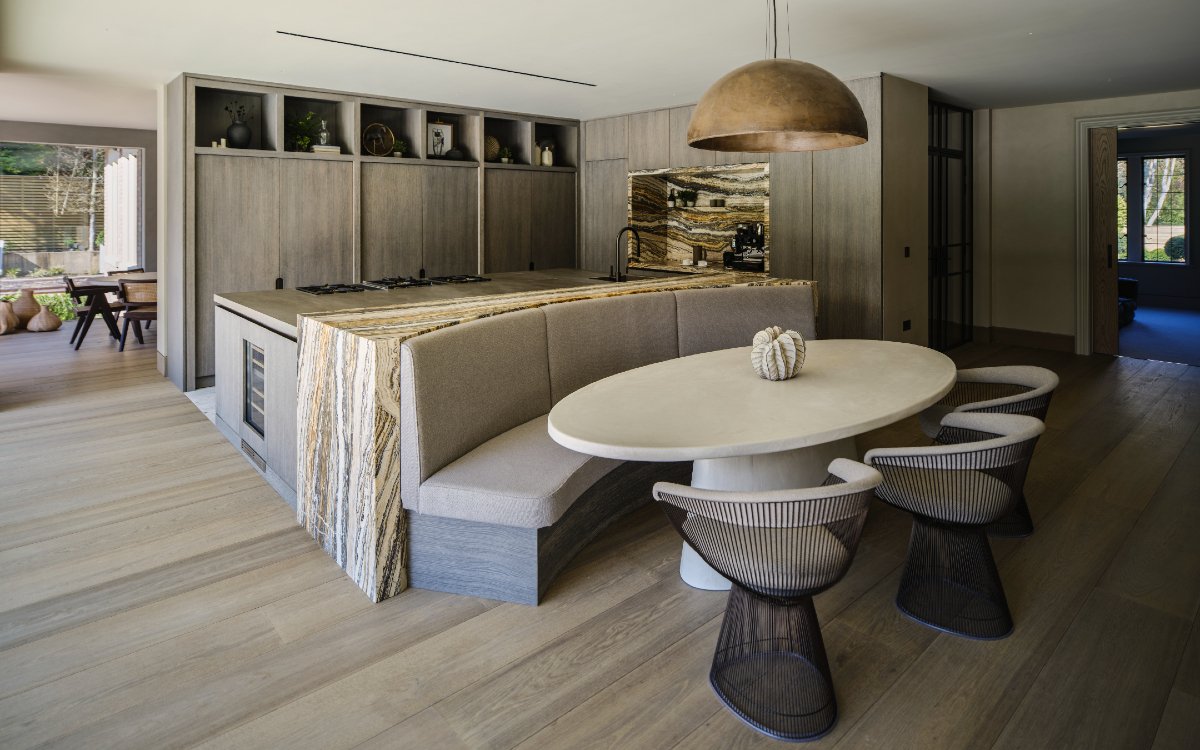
777 105
378 139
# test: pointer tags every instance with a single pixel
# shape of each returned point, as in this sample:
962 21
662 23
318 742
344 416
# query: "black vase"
238 135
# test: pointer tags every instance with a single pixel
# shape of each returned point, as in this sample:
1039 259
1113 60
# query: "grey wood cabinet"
792 215
237 238
450 221
529 220
553 225
507 196
391 219
316 222
605 139
606 190
650 140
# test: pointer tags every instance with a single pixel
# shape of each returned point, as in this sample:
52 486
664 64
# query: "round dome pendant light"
777 105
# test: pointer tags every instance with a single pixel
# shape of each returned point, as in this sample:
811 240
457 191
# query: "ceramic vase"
238 135
44 321
25 307
8 318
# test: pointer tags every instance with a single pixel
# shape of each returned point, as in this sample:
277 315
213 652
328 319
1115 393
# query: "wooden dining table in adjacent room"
97 289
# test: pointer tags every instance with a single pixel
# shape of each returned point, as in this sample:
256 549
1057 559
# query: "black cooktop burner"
397 282
459 279
332 288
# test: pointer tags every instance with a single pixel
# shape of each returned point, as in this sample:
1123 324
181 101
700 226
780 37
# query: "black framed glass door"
950 248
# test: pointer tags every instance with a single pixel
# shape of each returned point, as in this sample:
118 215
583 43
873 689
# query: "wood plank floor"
155 593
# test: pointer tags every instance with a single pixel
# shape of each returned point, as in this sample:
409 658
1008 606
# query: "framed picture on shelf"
439 137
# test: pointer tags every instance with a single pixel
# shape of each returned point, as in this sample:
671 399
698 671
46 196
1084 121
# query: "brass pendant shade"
777 105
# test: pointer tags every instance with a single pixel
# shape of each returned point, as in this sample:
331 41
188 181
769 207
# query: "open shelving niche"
565 141
513 134
467 135
211 120
340 118
405 122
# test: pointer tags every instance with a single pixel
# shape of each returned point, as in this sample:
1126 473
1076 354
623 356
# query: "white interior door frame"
1083 281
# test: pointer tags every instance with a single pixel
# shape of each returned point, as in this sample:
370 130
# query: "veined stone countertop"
347 413
278 309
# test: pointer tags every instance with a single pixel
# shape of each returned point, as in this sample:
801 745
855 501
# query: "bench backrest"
711 319
592 339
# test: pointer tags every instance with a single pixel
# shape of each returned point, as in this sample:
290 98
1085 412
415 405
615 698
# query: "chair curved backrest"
71 290
778 543
969 481
1013 389
138 292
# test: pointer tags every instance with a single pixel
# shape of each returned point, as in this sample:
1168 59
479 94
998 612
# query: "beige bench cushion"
519 478
712 319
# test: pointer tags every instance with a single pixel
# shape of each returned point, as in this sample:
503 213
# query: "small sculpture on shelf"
777 354
547 154
491 148
238 134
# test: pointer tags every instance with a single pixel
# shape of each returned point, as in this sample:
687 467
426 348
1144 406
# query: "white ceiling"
98 61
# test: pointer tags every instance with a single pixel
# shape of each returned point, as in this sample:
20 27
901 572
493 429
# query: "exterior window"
253 385
1164 201
1122 209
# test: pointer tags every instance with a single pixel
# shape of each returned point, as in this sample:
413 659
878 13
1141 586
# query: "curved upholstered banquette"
496 508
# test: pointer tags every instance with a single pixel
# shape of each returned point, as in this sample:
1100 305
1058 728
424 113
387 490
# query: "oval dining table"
742 432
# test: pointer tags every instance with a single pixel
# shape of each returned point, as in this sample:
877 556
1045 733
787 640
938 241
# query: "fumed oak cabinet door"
552 204
606 191
650 140
316 222
391 219
507 220
605 139
237 238
450 221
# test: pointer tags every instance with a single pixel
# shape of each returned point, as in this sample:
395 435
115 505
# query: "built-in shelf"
337 114
464 135
403 122
401 160
526 167
212 120
515 135
563 139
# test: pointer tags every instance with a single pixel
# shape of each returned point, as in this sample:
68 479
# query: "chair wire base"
1018 523
951 583
770 667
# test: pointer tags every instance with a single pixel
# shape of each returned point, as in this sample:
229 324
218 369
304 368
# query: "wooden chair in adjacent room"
141 306
778 549
83 311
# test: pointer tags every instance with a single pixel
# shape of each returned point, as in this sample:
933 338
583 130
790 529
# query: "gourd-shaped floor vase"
25 306
8 318
44 321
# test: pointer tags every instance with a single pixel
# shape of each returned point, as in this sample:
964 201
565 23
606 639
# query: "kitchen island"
345 426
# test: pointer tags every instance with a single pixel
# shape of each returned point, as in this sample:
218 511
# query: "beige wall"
1031 274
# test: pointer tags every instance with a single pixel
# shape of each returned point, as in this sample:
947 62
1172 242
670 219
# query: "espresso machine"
746 249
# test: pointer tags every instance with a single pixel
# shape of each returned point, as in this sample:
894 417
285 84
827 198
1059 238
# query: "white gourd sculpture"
777 354
44 321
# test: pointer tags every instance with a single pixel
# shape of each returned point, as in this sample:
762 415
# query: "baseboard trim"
1058 342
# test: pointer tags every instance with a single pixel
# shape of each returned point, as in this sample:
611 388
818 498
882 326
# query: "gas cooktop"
396 282
459 279
332 288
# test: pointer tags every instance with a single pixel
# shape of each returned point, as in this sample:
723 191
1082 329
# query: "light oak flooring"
155 593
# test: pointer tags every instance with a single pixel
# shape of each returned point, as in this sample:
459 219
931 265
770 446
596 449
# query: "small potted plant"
506 155
400 148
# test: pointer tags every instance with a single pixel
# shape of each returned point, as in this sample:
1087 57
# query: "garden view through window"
1160 196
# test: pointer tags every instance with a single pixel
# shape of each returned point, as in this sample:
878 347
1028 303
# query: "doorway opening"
1158 274
950 226
68 210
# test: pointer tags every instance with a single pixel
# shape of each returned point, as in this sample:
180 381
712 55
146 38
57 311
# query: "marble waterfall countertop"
348 472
